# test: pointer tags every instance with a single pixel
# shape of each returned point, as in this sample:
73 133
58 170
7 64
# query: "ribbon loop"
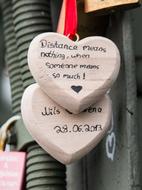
71 22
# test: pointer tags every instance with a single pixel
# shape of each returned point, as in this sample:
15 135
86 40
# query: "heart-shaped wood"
64 135
60 65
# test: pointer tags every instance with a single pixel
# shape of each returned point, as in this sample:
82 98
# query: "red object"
71 22
12 167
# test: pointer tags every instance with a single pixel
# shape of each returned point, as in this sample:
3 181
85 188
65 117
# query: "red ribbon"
71 21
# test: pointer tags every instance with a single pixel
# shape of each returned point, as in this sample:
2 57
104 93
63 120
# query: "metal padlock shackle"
4 129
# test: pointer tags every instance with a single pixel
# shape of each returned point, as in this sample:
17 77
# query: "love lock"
68 111
109 5
67 137
73 74
4 130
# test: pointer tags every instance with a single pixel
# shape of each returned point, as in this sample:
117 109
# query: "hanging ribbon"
68 18
71 18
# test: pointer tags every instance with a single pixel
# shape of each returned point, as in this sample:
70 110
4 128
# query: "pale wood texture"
95 5
66 136
75 78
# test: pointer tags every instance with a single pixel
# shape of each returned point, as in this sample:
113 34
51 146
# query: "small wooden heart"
66 136
73 74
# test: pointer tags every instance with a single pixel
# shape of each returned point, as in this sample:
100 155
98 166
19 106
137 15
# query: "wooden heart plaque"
64 135
98 5
74 74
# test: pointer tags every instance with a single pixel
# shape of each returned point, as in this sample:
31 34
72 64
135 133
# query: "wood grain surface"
66 136
74 74
95 5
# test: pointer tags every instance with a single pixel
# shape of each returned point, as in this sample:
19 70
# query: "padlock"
12 164
104 6
4 130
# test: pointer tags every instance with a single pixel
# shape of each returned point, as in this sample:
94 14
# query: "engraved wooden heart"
64 135
73 74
